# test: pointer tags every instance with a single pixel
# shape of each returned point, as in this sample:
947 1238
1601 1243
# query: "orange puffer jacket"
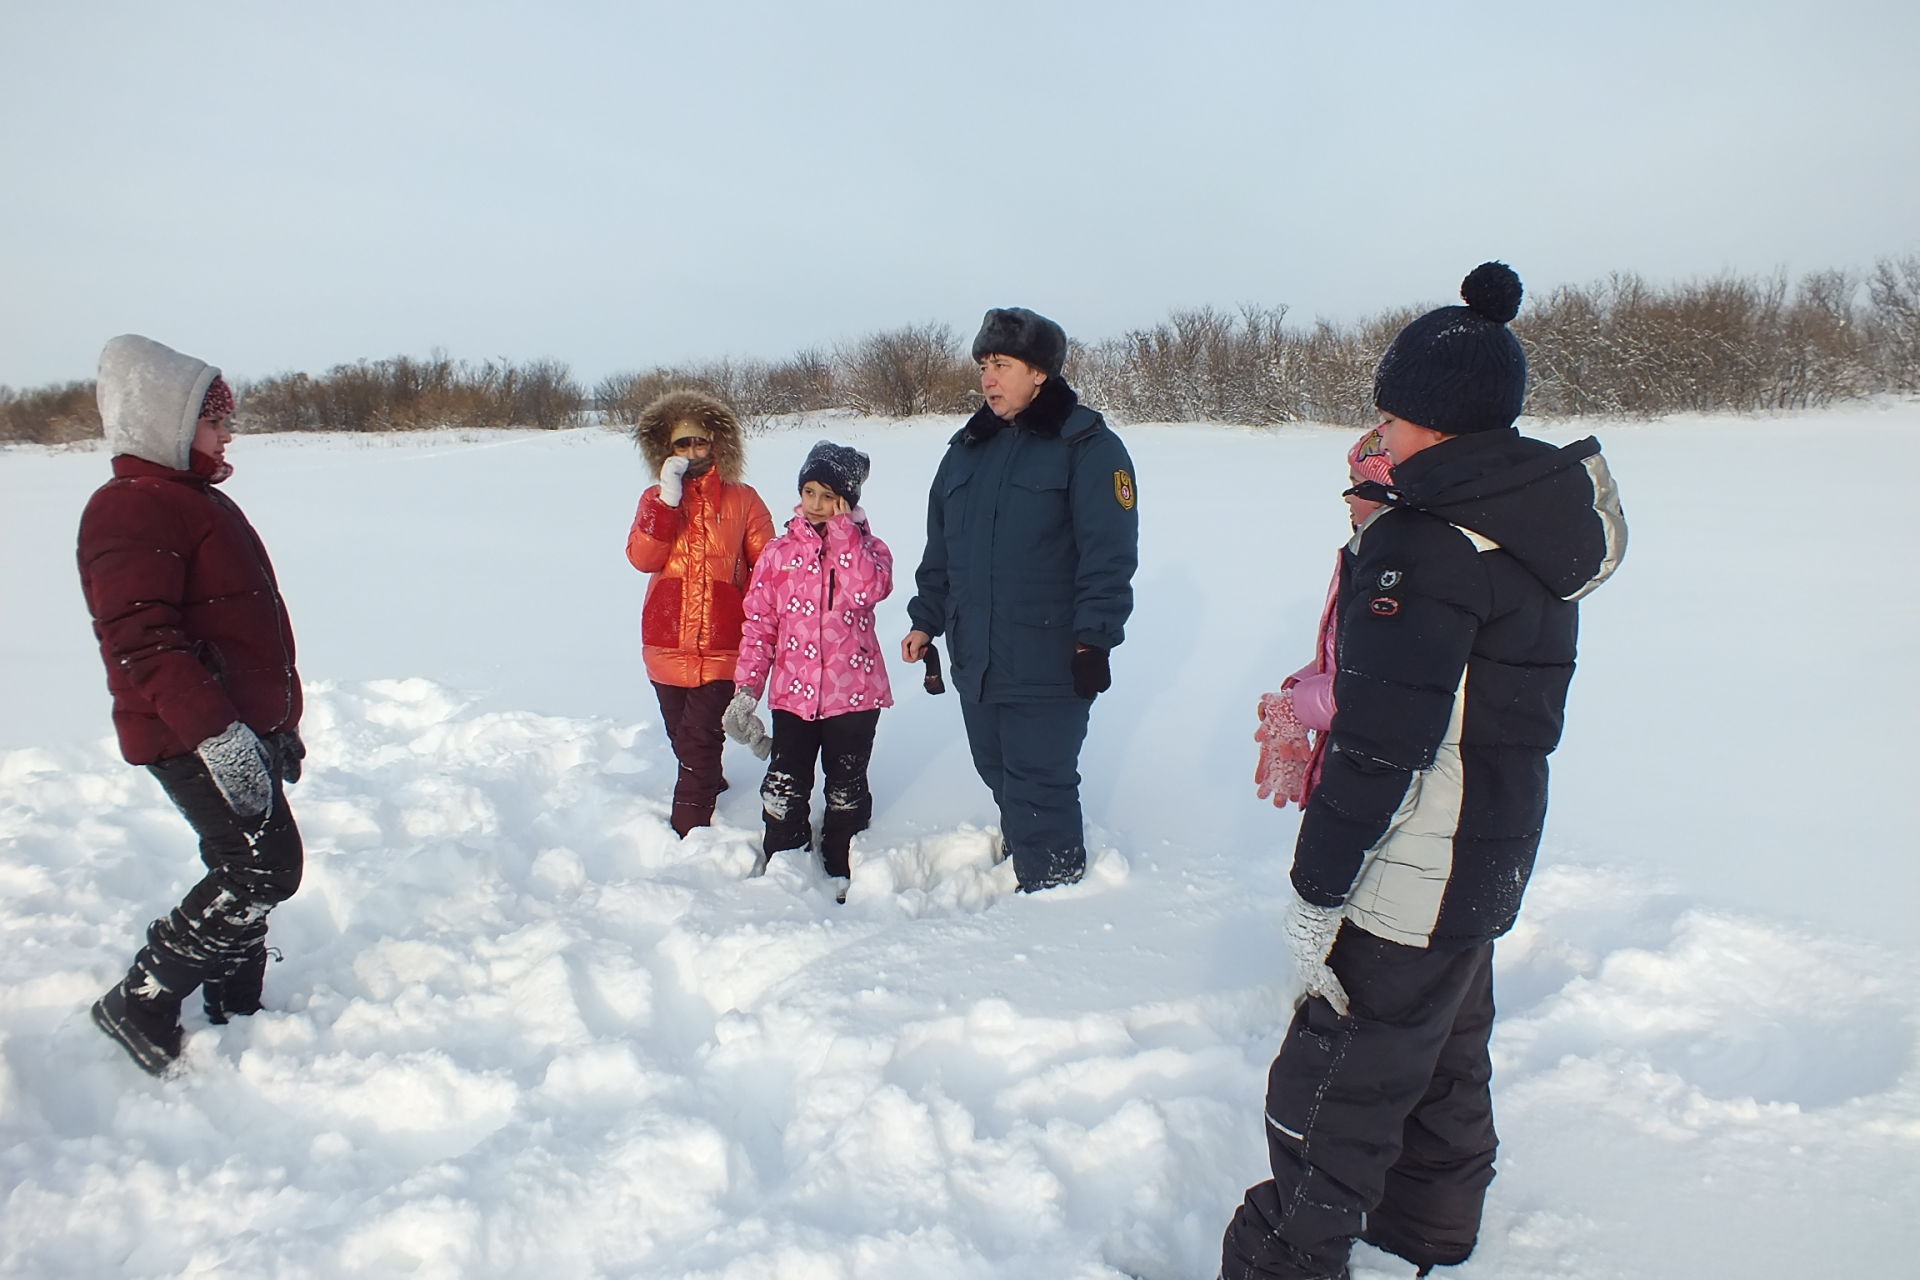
700 554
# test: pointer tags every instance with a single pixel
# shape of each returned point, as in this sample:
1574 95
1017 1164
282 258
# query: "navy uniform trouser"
1379 1124
252 865
1028 754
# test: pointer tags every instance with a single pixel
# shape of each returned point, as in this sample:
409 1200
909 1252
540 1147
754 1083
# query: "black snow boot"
147 1027
237 991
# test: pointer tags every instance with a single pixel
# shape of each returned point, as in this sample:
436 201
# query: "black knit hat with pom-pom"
1459 369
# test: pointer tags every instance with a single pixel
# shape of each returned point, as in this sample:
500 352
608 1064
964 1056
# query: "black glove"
1091 674
289 751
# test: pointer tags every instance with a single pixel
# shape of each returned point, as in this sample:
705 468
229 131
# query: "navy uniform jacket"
1033 535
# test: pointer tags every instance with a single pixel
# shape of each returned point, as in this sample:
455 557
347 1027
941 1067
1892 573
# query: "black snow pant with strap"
1379 1124
220 927
844 746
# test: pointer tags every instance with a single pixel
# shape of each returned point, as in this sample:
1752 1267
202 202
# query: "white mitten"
744 727
672 471
237 762
1310 933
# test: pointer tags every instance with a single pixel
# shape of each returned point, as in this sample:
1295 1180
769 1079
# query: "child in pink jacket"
809 644
1289 764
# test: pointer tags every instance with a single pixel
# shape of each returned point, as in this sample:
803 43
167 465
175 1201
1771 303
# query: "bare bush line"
1618 347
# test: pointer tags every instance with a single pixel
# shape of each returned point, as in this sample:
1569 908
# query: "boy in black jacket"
1458 622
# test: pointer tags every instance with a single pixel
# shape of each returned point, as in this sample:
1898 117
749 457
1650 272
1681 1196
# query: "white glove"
238 763
671 472
1310 933
744 727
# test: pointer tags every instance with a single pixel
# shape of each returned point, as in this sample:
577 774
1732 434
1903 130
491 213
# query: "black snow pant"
220 927
844 747
1028 754
692 721
1380 1124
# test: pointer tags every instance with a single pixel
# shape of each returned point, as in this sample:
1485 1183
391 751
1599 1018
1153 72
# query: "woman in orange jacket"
698 532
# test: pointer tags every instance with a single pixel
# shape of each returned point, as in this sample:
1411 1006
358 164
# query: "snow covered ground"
522 1031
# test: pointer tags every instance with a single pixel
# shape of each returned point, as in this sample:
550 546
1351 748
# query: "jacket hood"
654 432
150 397
1555 510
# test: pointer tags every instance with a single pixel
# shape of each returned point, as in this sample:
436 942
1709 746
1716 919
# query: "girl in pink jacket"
809 644
1289 762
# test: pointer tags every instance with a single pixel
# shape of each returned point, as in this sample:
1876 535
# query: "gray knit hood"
150 397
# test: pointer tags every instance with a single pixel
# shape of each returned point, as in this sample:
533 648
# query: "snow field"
522 1030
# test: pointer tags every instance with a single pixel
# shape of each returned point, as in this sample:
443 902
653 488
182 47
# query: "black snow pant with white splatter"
220 927
844 745
1379 1124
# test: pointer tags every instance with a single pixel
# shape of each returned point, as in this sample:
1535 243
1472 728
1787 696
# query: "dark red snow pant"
1379 1124
692 720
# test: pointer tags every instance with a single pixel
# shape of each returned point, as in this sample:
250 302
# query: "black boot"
237 991
146 1026
1041 871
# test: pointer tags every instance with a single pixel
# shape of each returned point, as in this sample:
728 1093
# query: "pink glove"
1285 751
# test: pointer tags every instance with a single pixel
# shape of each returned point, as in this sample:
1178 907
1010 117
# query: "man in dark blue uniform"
1032 539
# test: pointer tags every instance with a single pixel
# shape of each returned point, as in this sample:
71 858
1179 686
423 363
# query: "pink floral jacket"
809 610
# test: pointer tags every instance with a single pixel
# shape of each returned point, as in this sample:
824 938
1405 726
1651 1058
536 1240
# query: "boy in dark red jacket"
199 657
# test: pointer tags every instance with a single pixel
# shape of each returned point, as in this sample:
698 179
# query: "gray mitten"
238 763
1310 933
744 727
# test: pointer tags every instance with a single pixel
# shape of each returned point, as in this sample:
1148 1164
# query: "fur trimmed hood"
150 397
653 433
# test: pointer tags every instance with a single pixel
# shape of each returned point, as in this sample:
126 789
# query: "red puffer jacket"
701 554
187 611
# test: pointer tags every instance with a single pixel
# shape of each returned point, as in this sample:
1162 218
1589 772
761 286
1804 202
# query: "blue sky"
278 186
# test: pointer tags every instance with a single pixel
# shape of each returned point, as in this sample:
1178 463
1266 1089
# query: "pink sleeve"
1313 700
759 628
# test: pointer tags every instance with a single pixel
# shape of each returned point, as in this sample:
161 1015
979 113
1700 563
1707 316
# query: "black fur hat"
842 468
1459 369
1024 335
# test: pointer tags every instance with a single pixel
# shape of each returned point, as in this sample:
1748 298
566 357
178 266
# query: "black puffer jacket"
1457 635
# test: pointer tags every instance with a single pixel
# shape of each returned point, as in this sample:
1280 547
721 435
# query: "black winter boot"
237 991
147 1027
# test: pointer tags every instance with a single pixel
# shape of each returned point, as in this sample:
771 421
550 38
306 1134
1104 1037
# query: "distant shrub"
1894 322
58 414
756 390
1722 344
407 394
1246 366
1619 346
899 373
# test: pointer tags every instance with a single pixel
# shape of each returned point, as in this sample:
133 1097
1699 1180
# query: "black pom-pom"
1493 290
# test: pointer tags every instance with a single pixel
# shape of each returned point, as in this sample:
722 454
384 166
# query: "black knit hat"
1024 335
1459 369
841 468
